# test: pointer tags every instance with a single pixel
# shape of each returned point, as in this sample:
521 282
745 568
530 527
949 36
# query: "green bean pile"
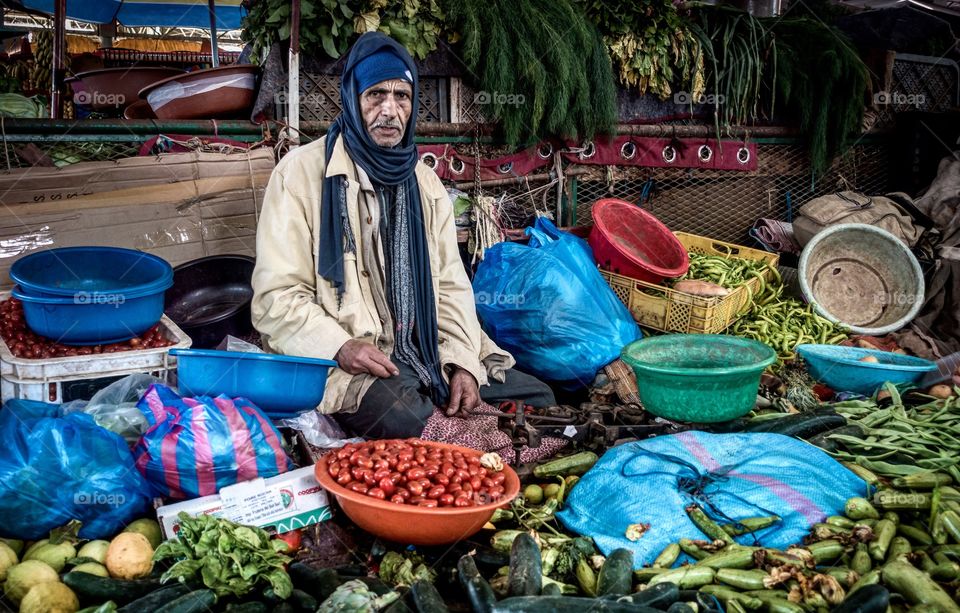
729 272
926 436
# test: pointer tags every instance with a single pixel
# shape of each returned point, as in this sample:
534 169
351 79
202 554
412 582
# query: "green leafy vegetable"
397 570
227 557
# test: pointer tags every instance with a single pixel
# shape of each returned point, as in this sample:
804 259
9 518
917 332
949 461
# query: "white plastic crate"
43 379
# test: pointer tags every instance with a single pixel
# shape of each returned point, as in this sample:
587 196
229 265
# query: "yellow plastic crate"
667 310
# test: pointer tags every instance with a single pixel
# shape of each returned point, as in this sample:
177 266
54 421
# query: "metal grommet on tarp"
429 159
588 150
705 153
669 154
505 168
457 166
628 150
743 155
544 151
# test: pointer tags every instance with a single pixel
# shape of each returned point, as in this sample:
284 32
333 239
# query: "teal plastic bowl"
840 368
701 378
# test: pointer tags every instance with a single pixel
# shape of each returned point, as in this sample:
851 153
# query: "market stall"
724 239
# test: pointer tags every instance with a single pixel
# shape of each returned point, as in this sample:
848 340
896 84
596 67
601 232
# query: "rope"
6 152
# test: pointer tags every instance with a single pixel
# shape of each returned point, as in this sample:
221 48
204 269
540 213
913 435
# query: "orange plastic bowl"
410 524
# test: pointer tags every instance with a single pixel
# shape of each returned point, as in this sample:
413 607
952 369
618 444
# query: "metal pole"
59 68
214 52
293 74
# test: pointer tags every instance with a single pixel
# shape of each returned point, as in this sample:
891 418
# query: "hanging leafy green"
540 67
415 24
651 45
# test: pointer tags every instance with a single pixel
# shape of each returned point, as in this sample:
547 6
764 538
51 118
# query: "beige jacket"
296 311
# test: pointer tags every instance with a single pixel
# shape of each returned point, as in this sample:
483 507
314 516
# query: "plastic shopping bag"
55 468
546 303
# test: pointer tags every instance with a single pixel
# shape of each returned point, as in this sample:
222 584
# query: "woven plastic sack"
731 476
546 303
55 468
195 446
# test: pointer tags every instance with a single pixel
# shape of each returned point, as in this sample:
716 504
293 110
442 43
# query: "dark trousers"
398 407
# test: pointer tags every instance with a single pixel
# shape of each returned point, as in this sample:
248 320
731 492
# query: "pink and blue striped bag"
195 446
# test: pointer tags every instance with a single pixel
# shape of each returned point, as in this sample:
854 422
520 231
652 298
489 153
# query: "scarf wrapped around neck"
409 280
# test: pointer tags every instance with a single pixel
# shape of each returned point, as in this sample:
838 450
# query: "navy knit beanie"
380 66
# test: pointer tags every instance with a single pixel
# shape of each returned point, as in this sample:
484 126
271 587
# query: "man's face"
386 109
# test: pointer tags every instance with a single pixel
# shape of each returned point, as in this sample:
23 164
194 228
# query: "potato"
940 391
129 556
872 359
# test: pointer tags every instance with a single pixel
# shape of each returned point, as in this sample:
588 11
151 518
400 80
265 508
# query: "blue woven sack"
731 476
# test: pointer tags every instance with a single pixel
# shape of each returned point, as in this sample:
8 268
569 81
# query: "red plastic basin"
629 241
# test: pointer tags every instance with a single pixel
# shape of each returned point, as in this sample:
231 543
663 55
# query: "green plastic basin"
701 378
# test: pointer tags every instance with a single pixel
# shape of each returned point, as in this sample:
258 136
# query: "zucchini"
644 575
686 576
883 535
550 589
254 606
860 508
726 596
844 576
156 598
99 588
318 582
914 534
688 547
426 597
575 464
841 522
303 600
750 524
567 604
586 578
861 563
774 603
479 592
945 572
667 557
656 596
680 607
825 551
736 556
898 546
616 574
922 481
197 601
526 576
801 425
742 579
871 599
707 525
916 586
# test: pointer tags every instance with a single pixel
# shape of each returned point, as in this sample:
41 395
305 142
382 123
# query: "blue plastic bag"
546 303
56 468
732 476
195 446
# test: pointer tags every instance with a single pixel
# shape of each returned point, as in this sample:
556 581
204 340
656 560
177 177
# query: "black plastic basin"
210 298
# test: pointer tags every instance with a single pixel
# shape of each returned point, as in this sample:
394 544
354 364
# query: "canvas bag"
894 213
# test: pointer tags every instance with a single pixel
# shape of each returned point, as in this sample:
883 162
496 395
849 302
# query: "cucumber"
616 574
567 604
426 597
479 592
801 425
526 576
575 464
197 601
103 588
156 598
318 582
870 599
656 596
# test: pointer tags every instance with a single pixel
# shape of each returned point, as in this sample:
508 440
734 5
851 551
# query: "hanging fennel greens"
651 45
415 24
540 66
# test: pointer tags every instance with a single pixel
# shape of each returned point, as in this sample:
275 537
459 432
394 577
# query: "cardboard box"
284 503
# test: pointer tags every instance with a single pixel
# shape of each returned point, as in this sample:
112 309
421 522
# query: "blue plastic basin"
280 385
69 271
91 319
840 368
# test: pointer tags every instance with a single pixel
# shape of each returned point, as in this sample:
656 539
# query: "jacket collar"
340 162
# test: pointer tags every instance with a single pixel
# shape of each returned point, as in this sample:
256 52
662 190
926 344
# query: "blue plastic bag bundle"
546 303
195 446
731 476
56 468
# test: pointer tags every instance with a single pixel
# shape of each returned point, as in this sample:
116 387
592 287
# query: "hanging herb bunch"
651 45
415 24
540 67
326 26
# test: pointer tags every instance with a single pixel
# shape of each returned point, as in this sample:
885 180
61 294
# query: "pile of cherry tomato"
25 344
414 472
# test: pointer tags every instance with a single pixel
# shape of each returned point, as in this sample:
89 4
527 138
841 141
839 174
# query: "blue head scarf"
376 57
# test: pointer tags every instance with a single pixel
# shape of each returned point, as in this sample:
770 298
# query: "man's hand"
357 357
464 393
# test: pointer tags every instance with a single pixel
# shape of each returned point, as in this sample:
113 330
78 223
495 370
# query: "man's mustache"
387 124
